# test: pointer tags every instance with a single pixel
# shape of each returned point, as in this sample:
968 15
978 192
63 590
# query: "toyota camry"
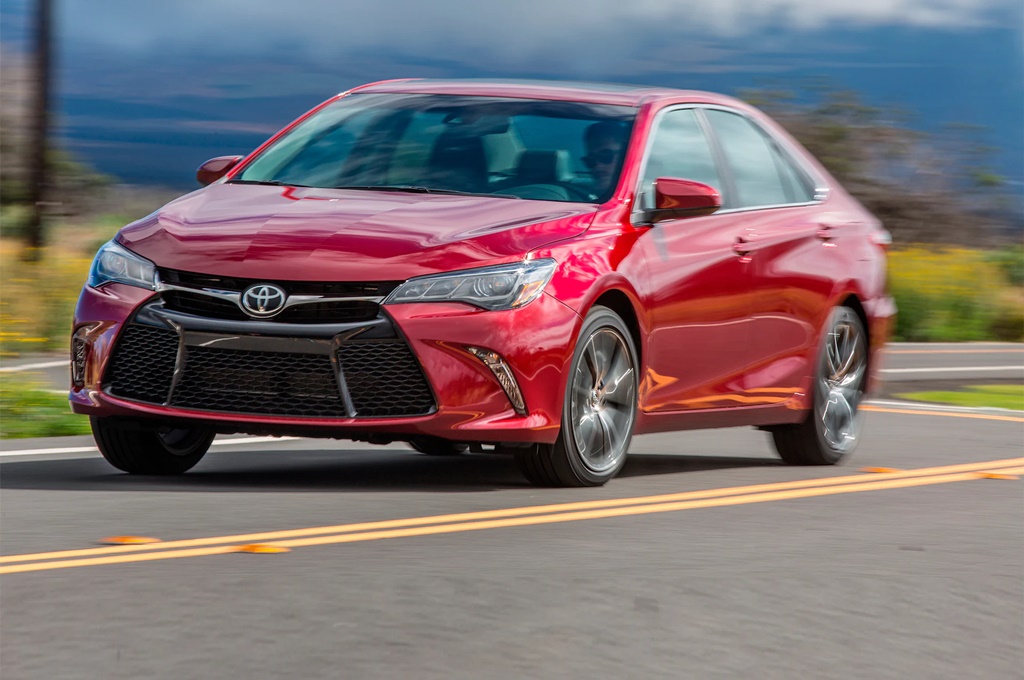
536 269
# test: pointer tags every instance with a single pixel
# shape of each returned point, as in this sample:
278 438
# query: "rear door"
794 258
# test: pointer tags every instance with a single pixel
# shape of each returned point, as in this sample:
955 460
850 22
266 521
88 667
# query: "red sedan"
541 269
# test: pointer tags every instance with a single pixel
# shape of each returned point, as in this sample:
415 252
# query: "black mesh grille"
385 379
266 383
143 364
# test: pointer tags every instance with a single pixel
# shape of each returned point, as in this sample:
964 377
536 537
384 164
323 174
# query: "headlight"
502 287
116 263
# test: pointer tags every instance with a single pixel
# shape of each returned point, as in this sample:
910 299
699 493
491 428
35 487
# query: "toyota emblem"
263 300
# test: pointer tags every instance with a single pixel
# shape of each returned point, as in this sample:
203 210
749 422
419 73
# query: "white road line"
924 406
952 369
93 449
32 367
50 452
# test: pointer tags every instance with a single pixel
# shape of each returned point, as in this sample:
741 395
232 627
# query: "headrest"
458 162
543 166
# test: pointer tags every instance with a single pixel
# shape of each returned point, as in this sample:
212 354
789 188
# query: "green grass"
28 410
985 396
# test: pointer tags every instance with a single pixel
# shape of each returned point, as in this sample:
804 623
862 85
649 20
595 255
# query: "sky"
148 90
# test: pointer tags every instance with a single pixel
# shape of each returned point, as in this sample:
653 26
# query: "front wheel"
598 413
167 451
832 428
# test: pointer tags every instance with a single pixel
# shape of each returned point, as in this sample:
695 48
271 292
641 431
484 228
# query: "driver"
605 143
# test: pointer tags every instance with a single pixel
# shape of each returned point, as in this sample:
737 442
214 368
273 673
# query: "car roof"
594 93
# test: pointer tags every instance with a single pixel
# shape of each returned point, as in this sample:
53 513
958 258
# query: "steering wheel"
577 191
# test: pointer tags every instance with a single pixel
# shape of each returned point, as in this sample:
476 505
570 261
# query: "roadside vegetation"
30 409
957 294
38 298
977 396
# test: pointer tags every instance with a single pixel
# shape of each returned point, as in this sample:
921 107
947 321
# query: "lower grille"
383 378
265 383
143 365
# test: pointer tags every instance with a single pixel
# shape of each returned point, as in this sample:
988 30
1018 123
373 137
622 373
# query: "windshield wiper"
408 188
268 183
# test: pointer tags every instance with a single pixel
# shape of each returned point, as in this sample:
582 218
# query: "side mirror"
675 198
215 168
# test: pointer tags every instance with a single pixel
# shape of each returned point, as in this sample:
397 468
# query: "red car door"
795 258
698 295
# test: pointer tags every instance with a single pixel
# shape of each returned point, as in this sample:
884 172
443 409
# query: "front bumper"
463 401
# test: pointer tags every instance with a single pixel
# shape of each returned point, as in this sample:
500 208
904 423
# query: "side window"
679 149
797 187
754 163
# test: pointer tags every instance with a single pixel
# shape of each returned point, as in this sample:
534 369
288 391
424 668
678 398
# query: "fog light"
80 344
504 376
78 348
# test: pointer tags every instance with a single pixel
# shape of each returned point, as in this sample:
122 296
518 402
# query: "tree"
76 184
924 187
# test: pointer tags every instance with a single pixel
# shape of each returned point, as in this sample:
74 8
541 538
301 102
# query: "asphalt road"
676 569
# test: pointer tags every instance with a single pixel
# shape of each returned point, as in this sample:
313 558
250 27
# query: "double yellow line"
509 517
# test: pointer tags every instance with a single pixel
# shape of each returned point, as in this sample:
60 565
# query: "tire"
597 422
831 430
435 446
150 452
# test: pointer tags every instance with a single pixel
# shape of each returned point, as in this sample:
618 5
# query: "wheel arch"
852 301
619 302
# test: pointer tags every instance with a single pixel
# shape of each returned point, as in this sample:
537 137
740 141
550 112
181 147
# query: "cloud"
502 31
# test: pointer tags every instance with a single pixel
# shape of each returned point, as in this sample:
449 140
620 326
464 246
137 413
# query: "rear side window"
797 187
761 174
679 149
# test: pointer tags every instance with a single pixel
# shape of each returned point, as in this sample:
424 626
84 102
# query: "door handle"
741 246
829 230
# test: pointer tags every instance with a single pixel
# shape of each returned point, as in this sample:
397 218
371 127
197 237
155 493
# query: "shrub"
947 295
37 299
1011 262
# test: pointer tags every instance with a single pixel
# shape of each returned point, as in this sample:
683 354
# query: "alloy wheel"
841 386
603 401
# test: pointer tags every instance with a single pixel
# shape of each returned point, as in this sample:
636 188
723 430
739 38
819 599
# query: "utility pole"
39 114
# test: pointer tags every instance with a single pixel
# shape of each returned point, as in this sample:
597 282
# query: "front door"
698 290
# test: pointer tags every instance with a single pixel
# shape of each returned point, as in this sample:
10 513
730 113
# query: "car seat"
457 162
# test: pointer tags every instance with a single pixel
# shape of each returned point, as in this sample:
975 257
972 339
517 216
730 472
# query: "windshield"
535 149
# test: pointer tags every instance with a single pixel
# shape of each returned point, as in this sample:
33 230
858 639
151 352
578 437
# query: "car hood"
292 234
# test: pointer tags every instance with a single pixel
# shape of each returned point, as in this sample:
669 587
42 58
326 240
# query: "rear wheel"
598 413
832 428
166 451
